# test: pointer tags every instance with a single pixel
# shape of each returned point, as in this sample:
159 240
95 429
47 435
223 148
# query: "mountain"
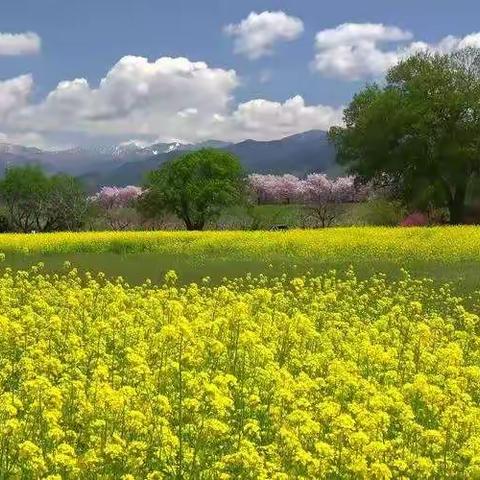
81 160
298 154
127 163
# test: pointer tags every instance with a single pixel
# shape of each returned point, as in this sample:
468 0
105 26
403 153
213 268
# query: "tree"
36 202
117 206
419 132
323 197
274 188
117 197
326 197
195 186
24 192
66 206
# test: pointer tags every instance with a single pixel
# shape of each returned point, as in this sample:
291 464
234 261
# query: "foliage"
196 187
4 223
314 188
66 207
36 202
323 197
420 132
326 197
24 191
378 211
317 377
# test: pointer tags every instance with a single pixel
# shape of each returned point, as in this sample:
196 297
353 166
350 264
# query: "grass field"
446 254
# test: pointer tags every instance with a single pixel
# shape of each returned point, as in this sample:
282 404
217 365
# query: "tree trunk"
192 226
456 205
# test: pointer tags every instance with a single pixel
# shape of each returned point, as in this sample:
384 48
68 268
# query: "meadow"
295 371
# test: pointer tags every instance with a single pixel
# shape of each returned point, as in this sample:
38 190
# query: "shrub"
415 219
377 211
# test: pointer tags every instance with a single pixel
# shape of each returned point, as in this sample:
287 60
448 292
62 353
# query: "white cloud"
166 100
265 120
19 43
169 99
353 51
257 35
27 139
14 94
188 112
136 96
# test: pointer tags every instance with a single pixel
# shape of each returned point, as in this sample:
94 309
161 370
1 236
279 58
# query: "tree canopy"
419 131
195 186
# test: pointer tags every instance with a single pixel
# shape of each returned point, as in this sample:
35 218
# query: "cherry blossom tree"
275 188
116 204
117 197
324 197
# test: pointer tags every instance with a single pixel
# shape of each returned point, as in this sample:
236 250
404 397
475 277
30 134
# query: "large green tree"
35 201
419 132
195 186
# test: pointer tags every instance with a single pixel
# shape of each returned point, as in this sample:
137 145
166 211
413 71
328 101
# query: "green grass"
262 216
136 267
447 254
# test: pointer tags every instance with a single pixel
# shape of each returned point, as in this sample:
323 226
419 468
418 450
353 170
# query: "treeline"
196 188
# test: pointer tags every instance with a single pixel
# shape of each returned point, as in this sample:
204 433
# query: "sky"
113 71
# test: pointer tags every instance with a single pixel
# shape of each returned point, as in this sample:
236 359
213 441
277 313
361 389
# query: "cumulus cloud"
264 120
14 94
354 51
19 43
257 35
136 96
351 50
169 99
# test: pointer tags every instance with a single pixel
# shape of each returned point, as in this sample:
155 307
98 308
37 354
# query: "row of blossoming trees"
314 188
323 197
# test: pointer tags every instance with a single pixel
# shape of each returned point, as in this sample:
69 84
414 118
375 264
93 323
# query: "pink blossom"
315 188
415 219
117 197
275 188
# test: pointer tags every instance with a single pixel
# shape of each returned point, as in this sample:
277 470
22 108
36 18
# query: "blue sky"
86 39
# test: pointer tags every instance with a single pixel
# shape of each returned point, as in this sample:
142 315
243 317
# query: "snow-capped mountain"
80 160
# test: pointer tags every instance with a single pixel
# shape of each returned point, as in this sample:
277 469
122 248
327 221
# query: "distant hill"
298 154
127 164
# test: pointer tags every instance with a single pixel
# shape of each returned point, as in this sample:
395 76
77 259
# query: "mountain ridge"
127 163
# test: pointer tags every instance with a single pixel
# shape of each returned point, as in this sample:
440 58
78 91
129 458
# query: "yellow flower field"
447 243
259 378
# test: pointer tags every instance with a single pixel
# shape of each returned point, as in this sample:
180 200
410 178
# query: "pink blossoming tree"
117 205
